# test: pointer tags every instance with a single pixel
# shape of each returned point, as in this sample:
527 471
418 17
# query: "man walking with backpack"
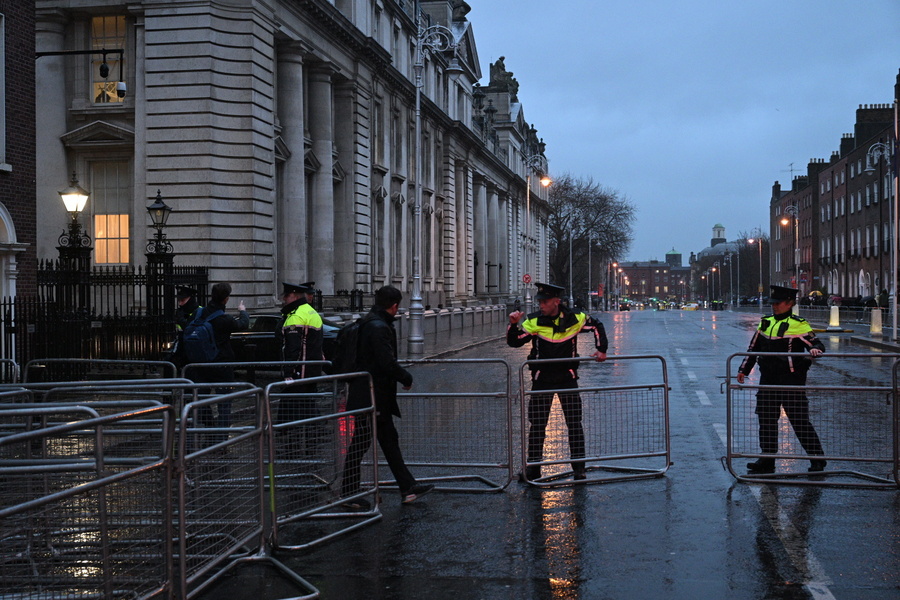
377 353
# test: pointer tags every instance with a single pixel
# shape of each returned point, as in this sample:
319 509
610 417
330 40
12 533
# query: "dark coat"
223 326
377 354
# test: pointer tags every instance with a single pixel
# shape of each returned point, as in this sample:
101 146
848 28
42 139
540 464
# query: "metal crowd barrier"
309 442
86 506
89 369
245 371
214 477
9 370
457 433
626 425
221 495
852 407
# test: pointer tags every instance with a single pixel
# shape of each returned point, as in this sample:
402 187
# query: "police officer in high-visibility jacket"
553 333
783 331
300 338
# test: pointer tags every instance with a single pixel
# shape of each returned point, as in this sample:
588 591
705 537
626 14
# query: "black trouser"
796 407
308 438
539 413
388 439
296 409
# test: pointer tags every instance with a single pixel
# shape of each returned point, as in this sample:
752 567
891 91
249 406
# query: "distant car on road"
624 306
257 344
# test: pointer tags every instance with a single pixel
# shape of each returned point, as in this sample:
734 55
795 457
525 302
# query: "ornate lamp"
159 214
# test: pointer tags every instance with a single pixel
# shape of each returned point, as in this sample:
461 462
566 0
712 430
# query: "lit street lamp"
794 211
75 250
876 152
74 198
536 163
610 270
758 242
435 38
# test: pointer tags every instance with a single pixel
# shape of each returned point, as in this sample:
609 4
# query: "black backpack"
347 346
199 338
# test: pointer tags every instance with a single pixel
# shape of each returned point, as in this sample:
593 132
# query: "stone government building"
282 133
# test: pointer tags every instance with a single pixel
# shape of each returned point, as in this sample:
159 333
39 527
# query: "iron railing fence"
108 312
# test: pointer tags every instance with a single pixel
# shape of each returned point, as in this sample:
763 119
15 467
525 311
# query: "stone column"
321 215
291 211
460 224
50 157
494 273
480 233
505 251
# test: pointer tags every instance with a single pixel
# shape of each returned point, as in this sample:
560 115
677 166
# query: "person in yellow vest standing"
300 338
783 331
553 333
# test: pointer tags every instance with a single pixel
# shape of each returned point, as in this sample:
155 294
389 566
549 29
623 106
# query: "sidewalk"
859 333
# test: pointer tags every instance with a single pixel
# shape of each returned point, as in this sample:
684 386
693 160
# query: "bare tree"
592 220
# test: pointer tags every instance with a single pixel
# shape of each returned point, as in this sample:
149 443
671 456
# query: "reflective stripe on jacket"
556 337
301 334
781 333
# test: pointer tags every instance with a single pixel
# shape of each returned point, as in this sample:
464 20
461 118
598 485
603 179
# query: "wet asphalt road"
694 533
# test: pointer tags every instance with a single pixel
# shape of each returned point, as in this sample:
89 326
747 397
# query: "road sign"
526 278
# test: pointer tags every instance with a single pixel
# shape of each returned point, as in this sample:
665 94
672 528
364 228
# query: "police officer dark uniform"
299 335
553 333
783 331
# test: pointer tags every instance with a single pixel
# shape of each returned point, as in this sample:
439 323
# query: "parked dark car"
257 344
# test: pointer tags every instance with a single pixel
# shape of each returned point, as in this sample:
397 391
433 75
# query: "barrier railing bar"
635 472
818 478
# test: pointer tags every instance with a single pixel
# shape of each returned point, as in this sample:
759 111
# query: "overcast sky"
691 109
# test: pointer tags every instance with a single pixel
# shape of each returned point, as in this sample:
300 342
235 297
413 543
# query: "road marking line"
684 361
816 582
704 399
692 376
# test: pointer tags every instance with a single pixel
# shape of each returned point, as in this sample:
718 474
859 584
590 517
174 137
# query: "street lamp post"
159 214
538 164
728 256
794 211
160 260
610 269
435 38
571 299
590 304
876 152
715 270
75 248
760 288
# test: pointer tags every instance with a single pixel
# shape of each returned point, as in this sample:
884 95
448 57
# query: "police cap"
780 293
291 288
309 287
548 290
183 292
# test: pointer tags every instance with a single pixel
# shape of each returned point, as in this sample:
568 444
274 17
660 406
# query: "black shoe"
763 465
579 472
415 492
532 473
357 505
817 465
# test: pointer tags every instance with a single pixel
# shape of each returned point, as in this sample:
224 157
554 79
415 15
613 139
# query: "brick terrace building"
17 149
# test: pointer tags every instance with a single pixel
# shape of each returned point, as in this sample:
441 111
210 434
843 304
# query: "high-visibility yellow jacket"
555 337
301 338
781 333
